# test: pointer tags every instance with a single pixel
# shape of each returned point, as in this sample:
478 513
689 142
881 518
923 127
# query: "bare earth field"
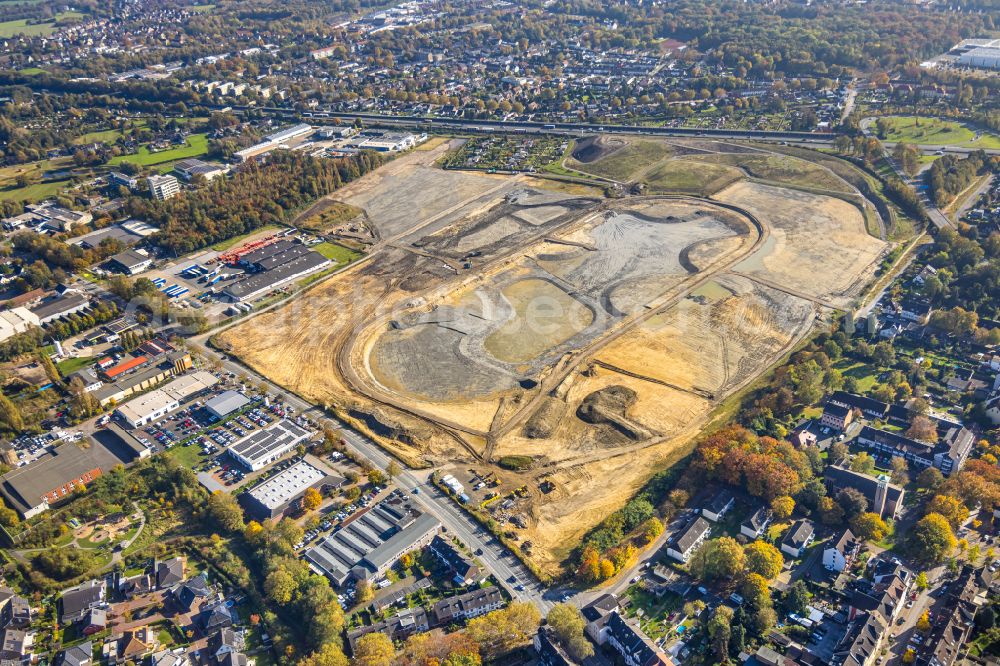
500 315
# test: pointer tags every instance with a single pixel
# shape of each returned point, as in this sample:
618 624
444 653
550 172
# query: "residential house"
189 593
16 646
682 546
836 416
15 610
134 645
464 571
169 658
77 601
869 407
948 454
168 572
755 525
224 642
213 616
632 645
884 497
797 538
467 606
838 554
719 506
549 652
405 623
948 637
862 642
94 621
597 613
78 655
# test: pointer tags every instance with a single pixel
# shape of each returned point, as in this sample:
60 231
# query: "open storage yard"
592 336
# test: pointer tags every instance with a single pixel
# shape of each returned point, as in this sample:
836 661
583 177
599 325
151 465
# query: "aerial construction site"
501 317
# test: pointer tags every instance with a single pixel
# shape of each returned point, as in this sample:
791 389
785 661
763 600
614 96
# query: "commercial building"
62 306
374 540
261 448
163 187
273 141
259 284
188 169
283 491
158 403
16 320
175 364
289 133
226 403
982 57
131 262
32 489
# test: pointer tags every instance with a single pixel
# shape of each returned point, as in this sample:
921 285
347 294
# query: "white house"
685 542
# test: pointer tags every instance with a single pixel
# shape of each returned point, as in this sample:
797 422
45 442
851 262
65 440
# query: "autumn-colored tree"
923 429
501 631
311 499
756 590
950 507
863 463
607 569
374 649
329 654
924 623
590 565
830 513
782 507
869 527
365 591
921 581
931 538
650 530
718 558
568 623
763 559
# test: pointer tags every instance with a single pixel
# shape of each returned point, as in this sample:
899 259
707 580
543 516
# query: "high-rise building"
163 187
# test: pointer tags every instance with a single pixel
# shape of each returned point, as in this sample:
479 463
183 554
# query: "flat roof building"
259 284
32 489
188 169
374 540
16 320
131 262
283 491
261 448
226 403
163 187
156 404
62 306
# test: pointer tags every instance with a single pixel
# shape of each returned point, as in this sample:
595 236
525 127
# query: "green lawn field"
197 145
937 132
338 253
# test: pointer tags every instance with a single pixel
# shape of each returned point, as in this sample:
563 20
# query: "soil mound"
545 420
594 148
609 406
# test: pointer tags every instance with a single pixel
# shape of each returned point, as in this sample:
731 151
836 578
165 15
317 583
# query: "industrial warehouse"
283 491
273 266
368 546
259 449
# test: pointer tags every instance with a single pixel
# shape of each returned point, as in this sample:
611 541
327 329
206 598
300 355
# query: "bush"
516 463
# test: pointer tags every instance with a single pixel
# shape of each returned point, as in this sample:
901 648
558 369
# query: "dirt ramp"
543 423
595 148
609 406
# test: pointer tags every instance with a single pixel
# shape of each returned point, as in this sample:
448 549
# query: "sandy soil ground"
432 346
818 244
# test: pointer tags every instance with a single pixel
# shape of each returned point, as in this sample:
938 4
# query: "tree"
830 513
329 654
838 453
365 591
568 624
393 470
719 632
763 559
923 429
930 478
374 649
796 598
924 623
900 470
762 620
869 527
280 586
651 530
852 501
950 507
502 630
863 463
921 581
782 507
226 511
311 499
718 558
756 590
931 539
377 477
